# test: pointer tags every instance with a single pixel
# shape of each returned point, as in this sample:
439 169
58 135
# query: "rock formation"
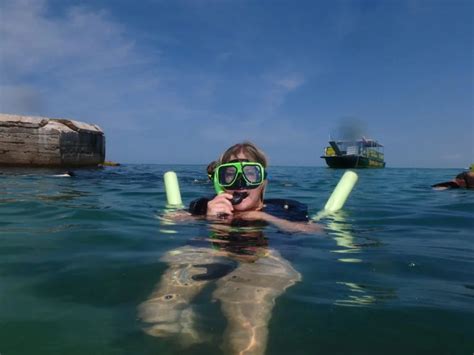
40 141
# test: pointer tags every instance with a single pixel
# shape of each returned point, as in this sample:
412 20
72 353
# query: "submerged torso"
245 239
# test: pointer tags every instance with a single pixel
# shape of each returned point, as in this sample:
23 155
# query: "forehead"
239 155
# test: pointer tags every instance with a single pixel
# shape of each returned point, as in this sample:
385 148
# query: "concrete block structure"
40 141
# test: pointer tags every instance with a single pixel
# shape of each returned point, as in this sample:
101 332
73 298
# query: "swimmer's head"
246 148
465 179
245 151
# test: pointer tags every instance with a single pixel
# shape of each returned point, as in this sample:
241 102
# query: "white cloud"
86 66
272 91
84 40
69 65
291 82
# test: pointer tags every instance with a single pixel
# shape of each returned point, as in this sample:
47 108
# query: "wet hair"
468 178
248 148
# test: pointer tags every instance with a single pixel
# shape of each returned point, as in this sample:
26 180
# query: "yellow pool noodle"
173 195
341 192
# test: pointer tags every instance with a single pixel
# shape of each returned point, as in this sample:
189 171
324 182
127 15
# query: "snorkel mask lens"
239 175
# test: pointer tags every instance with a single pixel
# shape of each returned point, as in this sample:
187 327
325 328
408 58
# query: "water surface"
394 273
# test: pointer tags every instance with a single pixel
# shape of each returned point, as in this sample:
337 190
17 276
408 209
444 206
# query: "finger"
227 206
219 211
225 195
225 199
220 206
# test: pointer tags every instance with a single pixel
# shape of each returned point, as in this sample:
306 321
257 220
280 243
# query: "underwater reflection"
248 275
365 295
343 234
341 231
357 294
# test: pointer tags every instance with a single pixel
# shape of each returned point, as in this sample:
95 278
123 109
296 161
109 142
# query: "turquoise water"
394 273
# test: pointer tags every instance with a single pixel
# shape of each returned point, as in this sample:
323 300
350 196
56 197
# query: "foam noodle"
341 192
339 195
173 195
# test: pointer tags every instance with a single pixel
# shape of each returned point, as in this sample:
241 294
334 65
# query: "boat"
360 153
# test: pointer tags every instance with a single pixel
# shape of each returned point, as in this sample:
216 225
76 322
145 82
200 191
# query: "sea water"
393 273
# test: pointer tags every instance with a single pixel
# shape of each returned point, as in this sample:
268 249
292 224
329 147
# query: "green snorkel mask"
238 175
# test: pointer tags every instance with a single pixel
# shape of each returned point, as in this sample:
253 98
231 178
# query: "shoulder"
198 207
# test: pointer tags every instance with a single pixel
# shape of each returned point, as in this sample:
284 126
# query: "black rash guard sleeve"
290 210
198 207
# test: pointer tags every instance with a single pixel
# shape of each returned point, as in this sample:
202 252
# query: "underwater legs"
247 297
168 311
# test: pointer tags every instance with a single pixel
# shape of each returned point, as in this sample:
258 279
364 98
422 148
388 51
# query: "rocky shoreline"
46 142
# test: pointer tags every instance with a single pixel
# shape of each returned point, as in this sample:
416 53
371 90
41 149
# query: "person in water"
249 276
463 180
240 180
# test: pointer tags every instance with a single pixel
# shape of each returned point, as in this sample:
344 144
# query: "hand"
220 205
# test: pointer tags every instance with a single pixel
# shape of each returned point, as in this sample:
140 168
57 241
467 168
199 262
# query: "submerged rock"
41 141
110 163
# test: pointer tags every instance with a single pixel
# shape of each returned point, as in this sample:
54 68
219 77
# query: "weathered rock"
40 141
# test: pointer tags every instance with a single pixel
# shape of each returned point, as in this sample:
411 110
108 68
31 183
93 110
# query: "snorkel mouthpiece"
238 197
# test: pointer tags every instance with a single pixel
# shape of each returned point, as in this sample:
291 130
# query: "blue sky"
178 81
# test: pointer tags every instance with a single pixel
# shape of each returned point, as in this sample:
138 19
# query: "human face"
254 200
237 174
461 182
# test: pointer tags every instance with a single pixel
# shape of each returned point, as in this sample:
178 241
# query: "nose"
240 183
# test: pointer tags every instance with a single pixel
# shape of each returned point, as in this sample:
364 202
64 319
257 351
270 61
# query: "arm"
282 224
217 206
177 216
202 208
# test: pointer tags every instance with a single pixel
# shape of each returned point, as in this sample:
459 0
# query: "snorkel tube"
217 187
339 195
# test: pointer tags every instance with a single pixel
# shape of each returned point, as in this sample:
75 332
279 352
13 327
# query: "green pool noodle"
341 192
173 195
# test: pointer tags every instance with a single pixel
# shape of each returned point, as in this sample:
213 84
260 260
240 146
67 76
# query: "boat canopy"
363 142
